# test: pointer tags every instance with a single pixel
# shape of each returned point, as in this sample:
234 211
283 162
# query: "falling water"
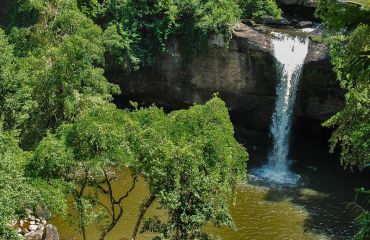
290 53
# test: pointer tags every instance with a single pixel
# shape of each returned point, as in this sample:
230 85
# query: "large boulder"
36 235
51 233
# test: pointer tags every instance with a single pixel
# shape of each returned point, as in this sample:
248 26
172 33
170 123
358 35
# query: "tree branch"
141 216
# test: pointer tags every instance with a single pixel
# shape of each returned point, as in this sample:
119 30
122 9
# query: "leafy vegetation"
350 56
182 156
349 27
60 135
20 193
142 29
192 168
253 8
146 26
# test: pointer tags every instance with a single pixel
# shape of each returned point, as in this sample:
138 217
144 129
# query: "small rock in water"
32 222
43 221
21 223
51 233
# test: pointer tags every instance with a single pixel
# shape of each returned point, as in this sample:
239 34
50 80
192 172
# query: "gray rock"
51 233
36 235
32 227
41 227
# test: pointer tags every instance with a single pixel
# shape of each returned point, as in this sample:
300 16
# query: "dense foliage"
350 47
257 8
140 29
349 27
60 135
191 168
189 159
56 69
20 193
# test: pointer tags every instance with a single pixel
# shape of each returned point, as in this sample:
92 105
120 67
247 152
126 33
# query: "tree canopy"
348 38
61 136
349 43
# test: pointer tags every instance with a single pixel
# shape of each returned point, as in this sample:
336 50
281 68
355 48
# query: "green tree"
257 8
348 26
59 65
54 102
350 46
192 164
89 154
20 193
146 26
189 159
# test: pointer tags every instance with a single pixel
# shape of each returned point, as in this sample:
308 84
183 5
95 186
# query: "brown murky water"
260 213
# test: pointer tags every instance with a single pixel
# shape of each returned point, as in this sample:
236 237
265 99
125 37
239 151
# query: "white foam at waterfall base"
290 53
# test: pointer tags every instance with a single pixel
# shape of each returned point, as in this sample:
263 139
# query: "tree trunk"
141 216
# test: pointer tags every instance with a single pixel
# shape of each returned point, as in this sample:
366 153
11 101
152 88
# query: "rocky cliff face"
243 74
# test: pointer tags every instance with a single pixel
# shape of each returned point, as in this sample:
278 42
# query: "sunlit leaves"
353 123
257 8
193 167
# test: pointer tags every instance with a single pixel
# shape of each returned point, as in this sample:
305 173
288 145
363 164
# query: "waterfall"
290 53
